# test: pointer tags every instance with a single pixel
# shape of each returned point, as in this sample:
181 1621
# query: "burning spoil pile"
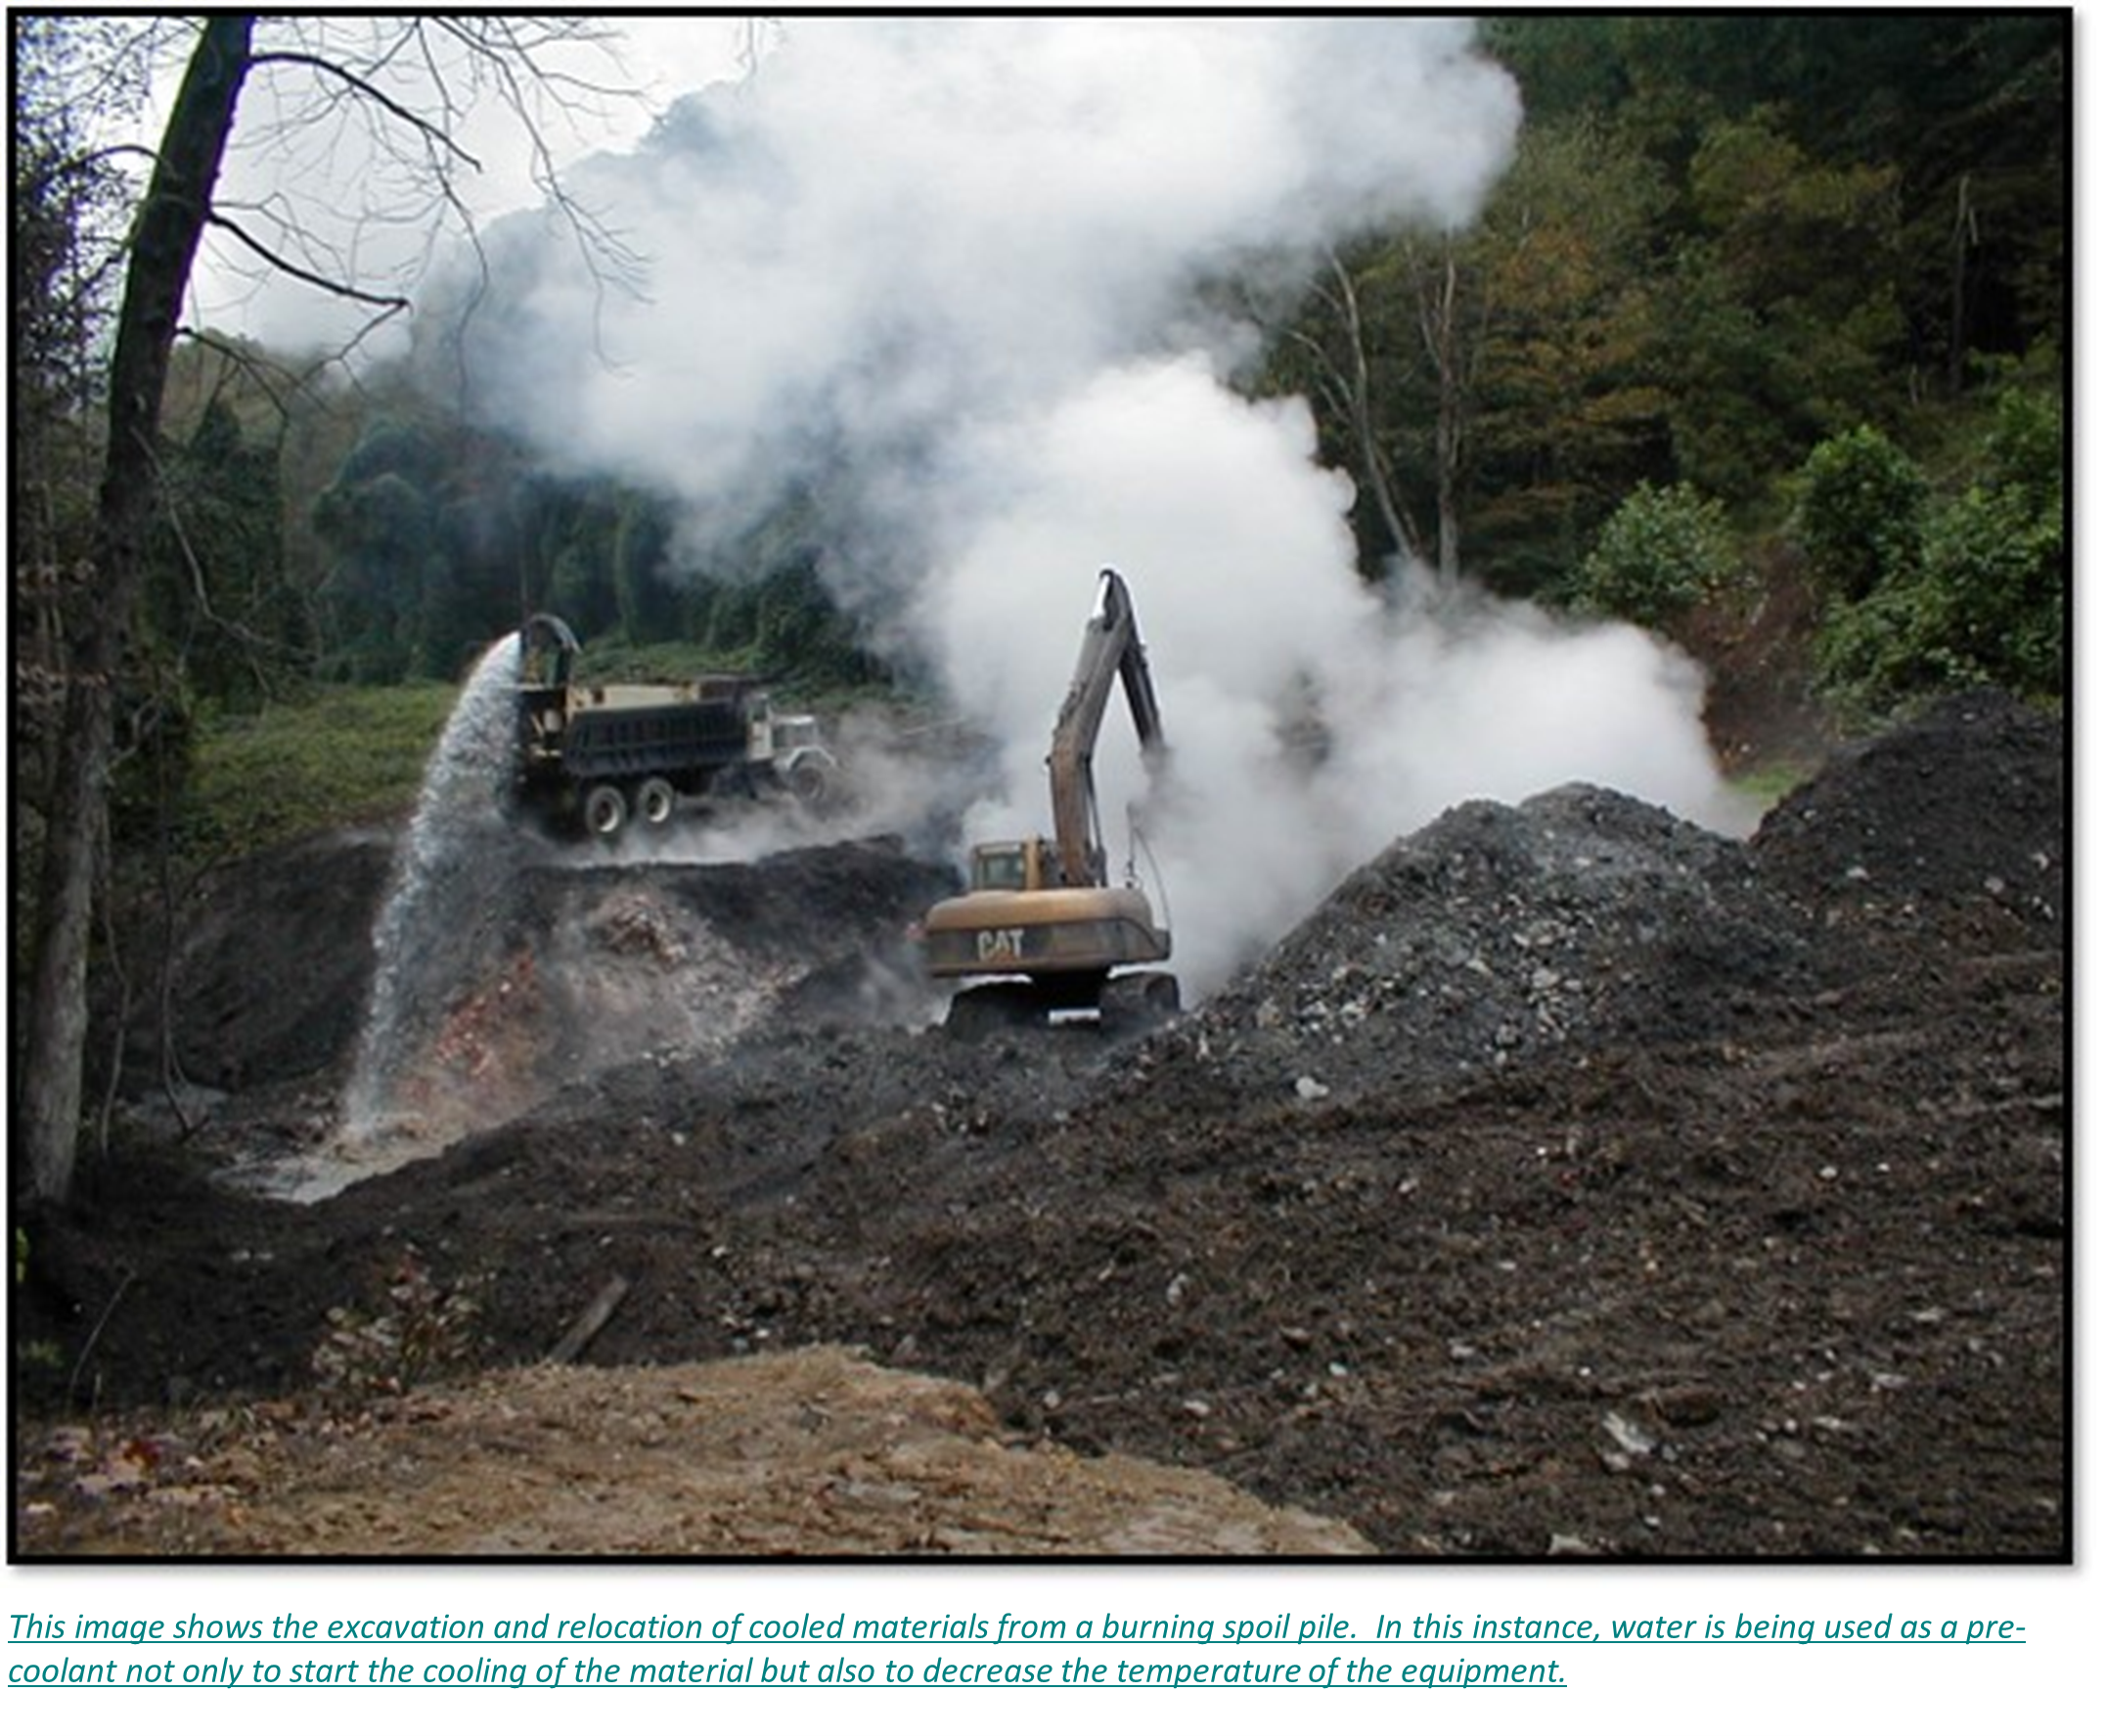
539 973
1578 918
597 965
1582 918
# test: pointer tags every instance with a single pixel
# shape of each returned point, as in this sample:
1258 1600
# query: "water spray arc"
451 873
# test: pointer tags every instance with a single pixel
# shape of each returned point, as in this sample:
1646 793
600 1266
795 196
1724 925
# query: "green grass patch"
342 756
1770 784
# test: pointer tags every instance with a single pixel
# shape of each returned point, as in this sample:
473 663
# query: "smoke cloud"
936 276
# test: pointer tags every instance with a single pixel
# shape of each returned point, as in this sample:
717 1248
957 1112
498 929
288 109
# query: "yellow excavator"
1040 930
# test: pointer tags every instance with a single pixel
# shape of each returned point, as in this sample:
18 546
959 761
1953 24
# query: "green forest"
1768 307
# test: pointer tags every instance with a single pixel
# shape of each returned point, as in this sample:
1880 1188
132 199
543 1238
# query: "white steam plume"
1310 723
935 274
901 231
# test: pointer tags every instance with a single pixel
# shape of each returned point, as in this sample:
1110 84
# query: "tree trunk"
1438 316
164 244
1360 397
1964 237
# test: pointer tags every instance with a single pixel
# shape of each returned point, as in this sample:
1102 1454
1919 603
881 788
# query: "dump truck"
1040 928
595 758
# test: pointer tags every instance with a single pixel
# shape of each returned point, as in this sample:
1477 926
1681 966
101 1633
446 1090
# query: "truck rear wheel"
606 811
656 802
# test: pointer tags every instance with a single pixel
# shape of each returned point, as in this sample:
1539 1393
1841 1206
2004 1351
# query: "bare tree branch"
432 134
278 262
503 52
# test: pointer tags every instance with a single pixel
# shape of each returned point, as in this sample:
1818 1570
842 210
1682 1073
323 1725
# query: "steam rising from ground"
933 278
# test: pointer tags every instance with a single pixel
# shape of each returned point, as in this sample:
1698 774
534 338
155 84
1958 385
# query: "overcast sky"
317 175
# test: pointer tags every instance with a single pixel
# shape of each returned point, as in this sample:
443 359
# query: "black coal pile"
263 975
1964 808
1581 918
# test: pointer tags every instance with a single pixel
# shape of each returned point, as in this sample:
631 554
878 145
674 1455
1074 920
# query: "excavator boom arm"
1111 651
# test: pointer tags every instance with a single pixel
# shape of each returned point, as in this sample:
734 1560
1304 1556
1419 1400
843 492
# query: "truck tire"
607 812
657 803
810 779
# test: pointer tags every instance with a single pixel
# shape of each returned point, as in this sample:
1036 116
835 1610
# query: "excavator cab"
1007 867
1027 865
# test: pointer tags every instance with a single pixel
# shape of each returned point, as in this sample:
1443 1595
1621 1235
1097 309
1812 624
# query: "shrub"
1981 599
336 757
2023 449
1860 514
1996 554
1663 551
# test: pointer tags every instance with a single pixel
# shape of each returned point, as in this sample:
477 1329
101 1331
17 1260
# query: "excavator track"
1125 1006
